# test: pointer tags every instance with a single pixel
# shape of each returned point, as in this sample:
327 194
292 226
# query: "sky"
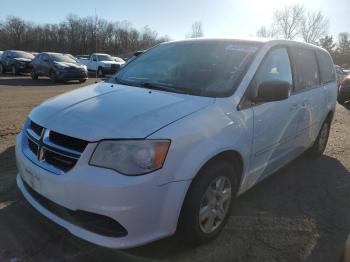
220 18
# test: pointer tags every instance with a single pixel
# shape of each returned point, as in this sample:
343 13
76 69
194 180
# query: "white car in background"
118 60
169 141
100 63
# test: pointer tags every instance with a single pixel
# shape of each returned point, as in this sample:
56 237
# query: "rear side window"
306 68
326 67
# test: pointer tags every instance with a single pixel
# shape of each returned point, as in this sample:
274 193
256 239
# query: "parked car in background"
136 54
100 63
59 67
16 62
73 57
169 142
1 52
341 74
118 60
344 91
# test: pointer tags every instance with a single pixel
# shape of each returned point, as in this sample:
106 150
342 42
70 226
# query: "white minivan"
169 141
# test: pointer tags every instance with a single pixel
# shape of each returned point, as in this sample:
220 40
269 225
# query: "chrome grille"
50 150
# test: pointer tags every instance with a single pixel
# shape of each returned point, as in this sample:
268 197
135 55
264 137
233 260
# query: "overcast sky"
223 18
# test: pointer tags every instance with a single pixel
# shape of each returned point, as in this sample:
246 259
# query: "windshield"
206 68
104 58
21 54
62 58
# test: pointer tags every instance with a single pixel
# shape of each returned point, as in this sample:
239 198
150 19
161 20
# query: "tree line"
77 35
295 22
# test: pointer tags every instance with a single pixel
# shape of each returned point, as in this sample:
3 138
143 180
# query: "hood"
106 111
109 62
23 59
69 65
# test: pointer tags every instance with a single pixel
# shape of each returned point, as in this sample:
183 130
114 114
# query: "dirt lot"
301 213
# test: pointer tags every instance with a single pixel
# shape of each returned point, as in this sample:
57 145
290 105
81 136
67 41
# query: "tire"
341 100
2 69
53 76
320 143
34 75
14 70
100 72
197 228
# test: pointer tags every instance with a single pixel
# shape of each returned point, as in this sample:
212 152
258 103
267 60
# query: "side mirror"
273 90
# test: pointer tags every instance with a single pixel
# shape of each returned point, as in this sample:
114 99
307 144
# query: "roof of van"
99 54
250 39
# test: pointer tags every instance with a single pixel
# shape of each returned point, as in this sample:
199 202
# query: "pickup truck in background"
100 63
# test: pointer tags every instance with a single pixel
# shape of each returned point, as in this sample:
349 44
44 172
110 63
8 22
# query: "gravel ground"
301 213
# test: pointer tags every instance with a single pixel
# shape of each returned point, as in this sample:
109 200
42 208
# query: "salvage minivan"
170 140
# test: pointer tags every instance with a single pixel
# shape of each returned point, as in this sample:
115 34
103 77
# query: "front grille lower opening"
59 161
92 222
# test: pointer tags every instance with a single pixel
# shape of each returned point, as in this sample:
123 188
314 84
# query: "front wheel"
208 202
341 100
53 76
34 75
14 70
321 141
99 72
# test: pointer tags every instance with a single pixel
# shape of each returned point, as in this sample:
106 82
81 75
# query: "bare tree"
77 35
342 52
14 29
266 32
314 26
196 30
288 21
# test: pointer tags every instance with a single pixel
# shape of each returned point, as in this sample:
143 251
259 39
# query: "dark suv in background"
16 62
59 67
344 91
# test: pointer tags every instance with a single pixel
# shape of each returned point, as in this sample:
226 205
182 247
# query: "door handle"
293 107
305 102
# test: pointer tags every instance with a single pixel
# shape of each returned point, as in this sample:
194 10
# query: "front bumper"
110 70
78 75
139 204
24 68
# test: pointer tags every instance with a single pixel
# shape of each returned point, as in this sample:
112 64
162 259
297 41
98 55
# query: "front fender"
201 136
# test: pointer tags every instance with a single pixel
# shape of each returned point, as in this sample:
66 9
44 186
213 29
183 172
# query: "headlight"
60 67
131 157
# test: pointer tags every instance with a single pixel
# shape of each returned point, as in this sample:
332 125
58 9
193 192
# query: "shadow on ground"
25 80
300 213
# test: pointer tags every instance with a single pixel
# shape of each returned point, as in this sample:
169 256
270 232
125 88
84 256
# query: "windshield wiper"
161 87
154 86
